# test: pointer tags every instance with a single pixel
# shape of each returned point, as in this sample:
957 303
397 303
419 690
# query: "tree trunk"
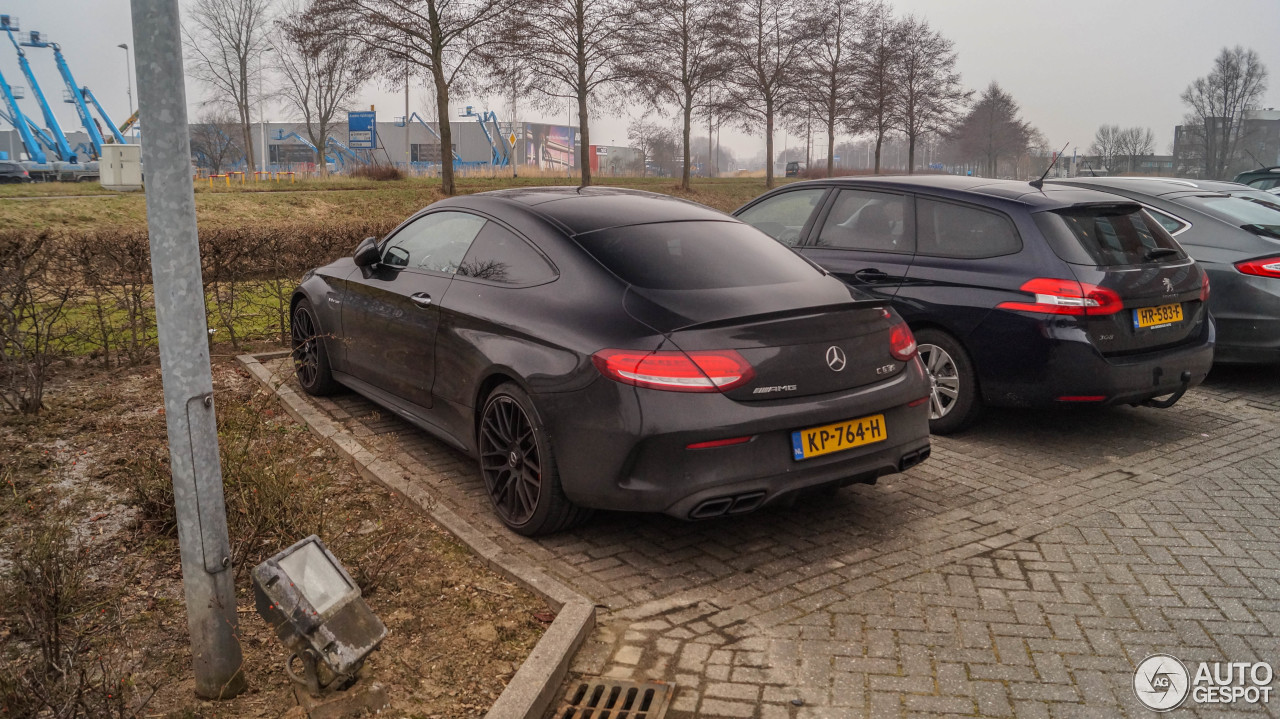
324 141
879 142
688 148
911 154
446 134
768 144
586 139
831 150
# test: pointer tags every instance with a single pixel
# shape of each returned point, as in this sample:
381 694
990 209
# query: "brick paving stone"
1023 570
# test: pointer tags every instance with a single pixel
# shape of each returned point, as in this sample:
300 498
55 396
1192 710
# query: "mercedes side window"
436 242
864 220
499 255
784 215
950 230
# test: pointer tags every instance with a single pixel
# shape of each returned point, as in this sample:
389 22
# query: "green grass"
253 315
339 199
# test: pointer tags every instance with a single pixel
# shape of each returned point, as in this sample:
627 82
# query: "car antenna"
1039 183
1090 169
1261 166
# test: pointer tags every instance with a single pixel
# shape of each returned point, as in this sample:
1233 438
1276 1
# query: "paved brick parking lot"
1024 570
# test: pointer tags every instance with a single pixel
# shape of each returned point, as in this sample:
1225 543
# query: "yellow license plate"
816 441
1157 316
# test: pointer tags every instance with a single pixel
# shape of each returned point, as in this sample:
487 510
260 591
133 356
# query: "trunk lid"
1155 286
795 348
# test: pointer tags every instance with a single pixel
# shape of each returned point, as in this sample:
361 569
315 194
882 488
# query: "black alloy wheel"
310 358
519 469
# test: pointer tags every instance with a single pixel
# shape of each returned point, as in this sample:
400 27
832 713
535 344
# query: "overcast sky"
1071 64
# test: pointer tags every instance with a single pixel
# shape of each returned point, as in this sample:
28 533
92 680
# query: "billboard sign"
361 132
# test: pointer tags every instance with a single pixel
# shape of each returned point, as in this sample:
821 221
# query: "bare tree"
929 93
439 37
763 40
213 140
323 69
674 60
568 49
1219 102
657 144
832 66
878 98
1134 142
225 41
993 129
1106 145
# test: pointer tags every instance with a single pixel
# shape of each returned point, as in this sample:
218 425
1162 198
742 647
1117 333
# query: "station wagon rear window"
1107 235
695 256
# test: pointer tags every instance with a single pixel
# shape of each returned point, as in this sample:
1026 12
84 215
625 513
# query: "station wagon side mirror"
367 252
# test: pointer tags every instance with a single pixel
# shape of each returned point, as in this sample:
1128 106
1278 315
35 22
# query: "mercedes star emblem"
835 358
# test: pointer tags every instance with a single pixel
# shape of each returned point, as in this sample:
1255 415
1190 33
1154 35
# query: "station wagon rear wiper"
1156 253
1264 230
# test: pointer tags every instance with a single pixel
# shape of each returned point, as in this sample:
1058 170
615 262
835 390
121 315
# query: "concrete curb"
534 686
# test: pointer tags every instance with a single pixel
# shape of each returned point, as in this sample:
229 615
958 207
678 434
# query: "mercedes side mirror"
367 253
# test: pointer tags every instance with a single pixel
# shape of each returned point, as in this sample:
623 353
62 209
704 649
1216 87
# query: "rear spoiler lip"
782 314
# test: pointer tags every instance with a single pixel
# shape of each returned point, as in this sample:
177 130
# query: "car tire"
954 401
310 356
513 444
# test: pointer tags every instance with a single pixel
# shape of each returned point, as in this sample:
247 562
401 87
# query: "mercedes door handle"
421 299
871 275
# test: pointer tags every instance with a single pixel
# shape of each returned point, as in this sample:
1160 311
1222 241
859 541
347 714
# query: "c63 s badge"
887 369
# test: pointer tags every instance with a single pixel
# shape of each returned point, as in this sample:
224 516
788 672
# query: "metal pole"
128 76
207 578
408 158
262 113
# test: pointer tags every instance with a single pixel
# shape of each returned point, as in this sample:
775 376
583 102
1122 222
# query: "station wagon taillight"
675 371
1263 267
1066 297
1204 286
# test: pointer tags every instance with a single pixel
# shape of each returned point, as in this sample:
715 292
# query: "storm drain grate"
596 698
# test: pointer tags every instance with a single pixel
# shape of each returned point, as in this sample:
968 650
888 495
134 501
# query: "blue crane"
501 151
9 25
343 152
77 95
400 122
20 122
281 136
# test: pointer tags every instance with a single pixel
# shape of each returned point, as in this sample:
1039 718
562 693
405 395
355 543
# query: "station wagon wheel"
953 386
310 356
944 384
519 468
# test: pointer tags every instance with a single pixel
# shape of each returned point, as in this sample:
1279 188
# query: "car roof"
588 209
1019 192
1155 186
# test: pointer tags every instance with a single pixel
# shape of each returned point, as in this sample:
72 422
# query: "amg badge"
776 388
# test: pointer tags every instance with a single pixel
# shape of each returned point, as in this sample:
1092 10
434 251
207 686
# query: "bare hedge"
89 293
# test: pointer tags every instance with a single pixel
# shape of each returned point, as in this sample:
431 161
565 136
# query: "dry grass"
340 199
90 578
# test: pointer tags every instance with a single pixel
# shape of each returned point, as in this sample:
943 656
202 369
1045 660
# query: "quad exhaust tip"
719 506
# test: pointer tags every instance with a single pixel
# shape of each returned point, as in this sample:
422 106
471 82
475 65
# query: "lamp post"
128 77
262 109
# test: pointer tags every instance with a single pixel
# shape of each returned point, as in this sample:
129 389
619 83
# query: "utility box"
120 167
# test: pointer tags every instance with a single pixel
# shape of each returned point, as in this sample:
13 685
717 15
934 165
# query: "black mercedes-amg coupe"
612 349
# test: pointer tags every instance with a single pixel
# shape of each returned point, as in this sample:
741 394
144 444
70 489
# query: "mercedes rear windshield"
695 255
